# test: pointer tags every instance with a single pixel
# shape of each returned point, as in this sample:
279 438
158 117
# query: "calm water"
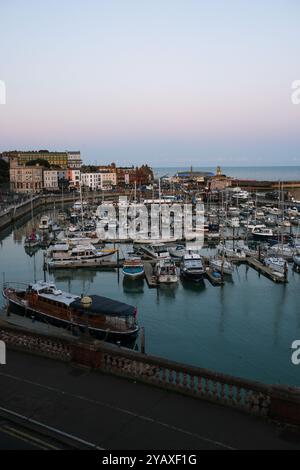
244 328
260 173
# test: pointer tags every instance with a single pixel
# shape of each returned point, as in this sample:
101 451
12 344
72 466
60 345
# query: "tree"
39 161
4 171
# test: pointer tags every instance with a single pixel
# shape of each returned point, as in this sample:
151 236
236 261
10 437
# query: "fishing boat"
79 256
191 267
222 266
102 317
166 272
177 251
133 268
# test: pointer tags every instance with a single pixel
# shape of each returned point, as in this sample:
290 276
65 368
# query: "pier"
149 273
262 269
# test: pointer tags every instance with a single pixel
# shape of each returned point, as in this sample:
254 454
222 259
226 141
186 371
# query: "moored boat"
166 272
80 256
45 223
102 317
191 267
277 265
177 251
222 266
133 268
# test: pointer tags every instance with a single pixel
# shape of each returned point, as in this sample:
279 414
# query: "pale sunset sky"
166 82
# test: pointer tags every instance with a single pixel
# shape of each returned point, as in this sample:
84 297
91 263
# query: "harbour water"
259 173
244 328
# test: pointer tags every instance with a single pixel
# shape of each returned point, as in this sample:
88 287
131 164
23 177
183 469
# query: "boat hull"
35 315
190 276
133 274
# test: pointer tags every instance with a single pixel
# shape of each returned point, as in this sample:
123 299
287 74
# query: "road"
114 413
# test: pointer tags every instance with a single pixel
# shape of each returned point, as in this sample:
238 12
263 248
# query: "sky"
163 82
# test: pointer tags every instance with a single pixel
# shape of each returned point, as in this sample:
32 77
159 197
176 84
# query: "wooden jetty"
267 272
149 274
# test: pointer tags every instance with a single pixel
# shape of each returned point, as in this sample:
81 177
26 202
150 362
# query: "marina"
193 322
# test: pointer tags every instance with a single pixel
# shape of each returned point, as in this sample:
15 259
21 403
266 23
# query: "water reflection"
133 287
193 286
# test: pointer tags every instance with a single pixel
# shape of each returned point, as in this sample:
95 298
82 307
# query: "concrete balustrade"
276 402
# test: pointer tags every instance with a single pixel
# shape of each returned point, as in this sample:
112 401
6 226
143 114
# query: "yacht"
296 259
282 251
278 265
177 251
191 267
45 223
231 252
79 256
166 272
156 251
221 265
262 234
78 205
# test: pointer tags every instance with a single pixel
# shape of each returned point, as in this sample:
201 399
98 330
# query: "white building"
91 180
74 160
51 180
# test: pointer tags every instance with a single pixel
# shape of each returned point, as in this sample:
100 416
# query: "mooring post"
143 340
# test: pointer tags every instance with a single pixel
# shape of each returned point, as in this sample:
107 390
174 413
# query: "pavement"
107 412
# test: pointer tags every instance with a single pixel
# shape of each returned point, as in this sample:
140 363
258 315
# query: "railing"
200 383
278 402
42 345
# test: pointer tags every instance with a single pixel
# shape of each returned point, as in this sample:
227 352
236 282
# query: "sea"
260 173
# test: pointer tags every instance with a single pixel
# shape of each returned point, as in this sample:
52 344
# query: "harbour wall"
14 213
278 403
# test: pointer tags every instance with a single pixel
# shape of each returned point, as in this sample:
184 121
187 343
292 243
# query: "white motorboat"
79 256
296 260
262 234
221 265
177 251
45 223
166 272
278 265
231 252
80 205
156 250
192 268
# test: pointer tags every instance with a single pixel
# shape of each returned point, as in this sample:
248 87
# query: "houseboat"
101 317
